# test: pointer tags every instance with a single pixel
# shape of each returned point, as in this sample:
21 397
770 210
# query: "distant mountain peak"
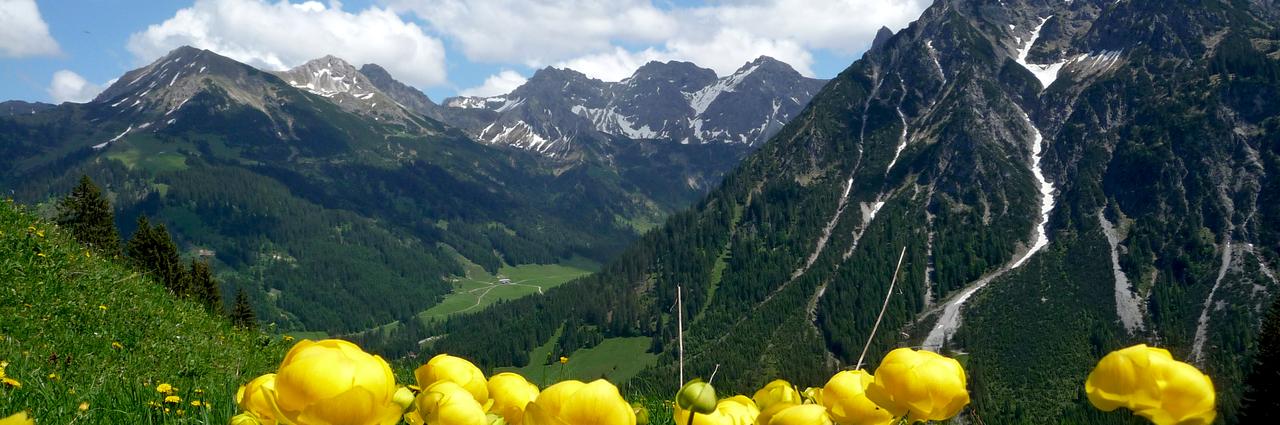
328 76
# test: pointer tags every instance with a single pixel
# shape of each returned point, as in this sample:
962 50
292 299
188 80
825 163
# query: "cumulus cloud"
501 83
280 35
23 32
67 86
539 32
609 39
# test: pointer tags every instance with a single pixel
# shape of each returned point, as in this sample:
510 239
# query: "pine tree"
1262 391
204 288
88 216
153 250
242 313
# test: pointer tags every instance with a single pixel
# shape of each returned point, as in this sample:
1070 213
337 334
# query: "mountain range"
1059 179
327 190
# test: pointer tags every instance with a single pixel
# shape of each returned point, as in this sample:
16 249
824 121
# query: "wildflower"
173 399
84 405
922 385
846 401
574 402
40 254
102 307
195 403
198 391
315 376
287 338
256 398
444 367
19 418
510 394
165 388
803 414
564 360
53 376
736 410
116 345
1153 385
698 396
447 403
774 397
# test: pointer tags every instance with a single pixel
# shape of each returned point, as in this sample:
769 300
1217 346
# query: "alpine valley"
1022 185
1062 178
341 199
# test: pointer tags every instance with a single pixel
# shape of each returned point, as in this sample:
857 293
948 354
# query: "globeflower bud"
404 397
697 396
245 419
922 385
255 399
846 400
444 367
1153 385
510 394
775 396
573 402
804 414
334 381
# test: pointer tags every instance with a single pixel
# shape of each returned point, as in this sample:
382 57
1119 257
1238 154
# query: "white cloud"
539 32
23 32
67 86
501 83
283 34
609 39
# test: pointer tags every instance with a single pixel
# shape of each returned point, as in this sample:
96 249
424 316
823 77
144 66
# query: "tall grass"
89 338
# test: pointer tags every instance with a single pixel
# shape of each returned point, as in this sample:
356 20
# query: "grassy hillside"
90 339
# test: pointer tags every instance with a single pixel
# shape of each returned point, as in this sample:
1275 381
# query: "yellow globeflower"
510 394
803 414
846 400
922 385
19 418
255 399
447 403
444 367
576 403
1151 383
334 382
736 410
774 397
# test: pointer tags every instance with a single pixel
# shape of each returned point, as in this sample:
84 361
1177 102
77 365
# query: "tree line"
87 214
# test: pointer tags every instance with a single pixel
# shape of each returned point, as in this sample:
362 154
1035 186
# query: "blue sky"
444 47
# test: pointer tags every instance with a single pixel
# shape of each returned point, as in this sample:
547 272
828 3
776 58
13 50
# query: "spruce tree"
204 288
87 214
153 250
1262 387
242 313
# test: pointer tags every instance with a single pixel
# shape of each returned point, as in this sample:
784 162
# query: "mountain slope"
82 329
1066 178
336 216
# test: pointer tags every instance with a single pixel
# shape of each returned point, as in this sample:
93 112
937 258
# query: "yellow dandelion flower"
199 391
116 345
10 382
164 388
166 410
287 338
84 405
102 307
195 403
564 360
173 399
53 376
